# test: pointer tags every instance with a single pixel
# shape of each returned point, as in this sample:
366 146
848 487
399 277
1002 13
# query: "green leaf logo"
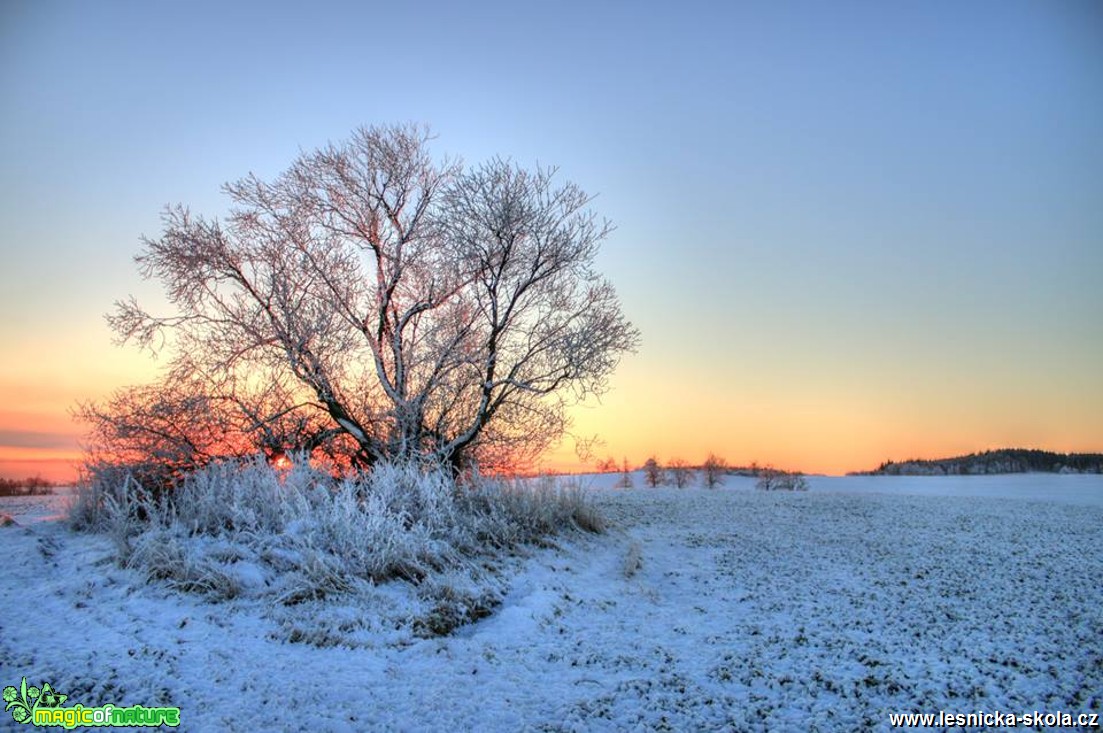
24 701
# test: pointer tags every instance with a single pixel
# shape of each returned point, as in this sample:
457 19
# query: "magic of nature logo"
43 707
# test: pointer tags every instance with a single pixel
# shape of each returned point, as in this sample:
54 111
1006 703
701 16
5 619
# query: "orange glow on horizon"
817 426
62 465
58 467
800 422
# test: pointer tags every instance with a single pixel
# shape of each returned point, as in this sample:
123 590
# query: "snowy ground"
824 610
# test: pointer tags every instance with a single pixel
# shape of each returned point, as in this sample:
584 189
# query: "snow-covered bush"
96 503
298 535
506 513
165 554
237 497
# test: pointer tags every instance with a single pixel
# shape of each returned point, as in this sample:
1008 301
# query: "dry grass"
240 529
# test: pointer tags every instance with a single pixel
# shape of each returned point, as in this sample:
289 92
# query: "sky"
848 232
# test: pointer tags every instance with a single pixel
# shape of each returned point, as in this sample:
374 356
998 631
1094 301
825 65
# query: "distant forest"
1011 460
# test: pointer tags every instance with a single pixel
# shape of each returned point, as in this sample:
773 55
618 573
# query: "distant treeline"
1011 460
25 487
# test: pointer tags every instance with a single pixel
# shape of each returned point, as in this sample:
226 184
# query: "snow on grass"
245 529
745 610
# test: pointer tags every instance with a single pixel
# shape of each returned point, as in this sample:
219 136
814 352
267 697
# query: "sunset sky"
848 231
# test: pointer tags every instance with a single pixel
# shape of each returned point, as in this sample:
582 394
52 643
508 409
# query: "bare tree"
653 474
625 480
772 479
420 310
713 471
609 465
680 472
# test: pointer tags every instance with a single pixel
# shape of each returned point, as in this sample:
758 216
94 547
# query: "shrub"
625 480
507 513
772 480
166 554
680 473
243 528
713 471
108 494
653 474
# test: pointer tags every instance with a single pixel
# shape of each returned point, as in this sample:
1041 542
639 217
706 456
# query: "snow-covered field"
824 610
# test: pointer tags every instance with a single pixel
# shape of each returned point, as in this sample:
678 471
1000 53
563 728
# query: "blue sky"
848 231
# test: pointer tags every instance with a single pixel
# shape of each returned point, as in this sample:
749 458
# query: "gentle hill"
1008 460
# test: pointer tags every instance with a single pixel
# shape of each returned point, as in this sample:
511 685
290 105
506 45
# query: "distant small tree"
653 474
771 479
713 471
680 472
609 465
625 480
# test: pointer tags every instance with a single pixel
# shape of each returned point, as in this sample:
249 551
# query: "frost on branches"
373 303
